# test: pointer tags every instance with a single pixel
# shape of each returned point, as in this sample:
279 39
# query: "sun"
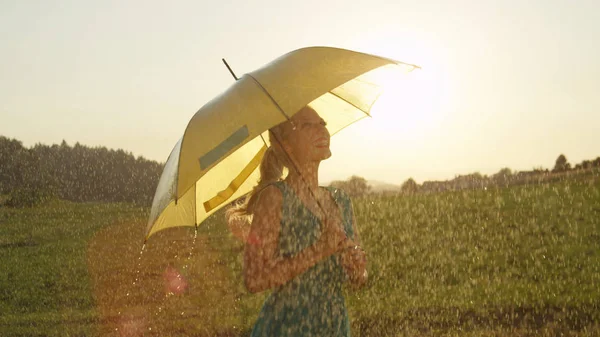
408 120
413 103
409 103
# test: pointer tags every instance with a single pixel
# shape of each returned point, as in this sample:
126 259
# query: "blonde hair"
271 169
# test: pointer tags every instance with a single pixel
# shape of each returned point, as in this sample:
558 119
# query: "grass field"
517 261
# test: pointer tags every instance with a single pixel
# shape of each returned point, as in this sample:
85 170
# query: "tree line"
358 186
81 173
76 173
503 178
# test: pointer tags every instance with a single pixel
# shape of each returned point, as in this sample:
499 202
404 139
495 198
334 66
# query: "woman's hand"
354 261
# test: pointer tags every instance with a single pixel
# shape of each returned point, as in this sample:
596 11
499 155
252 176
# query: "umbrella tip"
229 68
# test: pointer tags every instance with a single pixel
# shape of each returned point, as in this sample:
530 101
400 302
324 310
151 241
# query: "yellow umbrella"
216 161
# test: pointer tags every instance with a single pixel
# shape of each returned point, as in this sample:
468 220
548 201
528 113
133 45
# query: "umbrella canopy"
217 159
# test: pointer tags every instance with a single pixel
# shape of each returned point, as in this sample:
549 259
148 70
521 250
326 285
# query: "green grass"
44 283
517 261
524 256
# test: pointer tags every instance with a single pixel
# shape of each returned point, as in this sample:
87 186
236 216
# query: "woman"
303 242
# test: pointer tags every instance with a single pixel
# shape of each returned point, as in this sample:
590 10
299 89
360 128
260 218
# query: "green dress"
311 304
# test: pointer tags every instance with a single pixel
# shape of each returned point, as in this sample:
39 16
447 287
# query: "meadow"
516 261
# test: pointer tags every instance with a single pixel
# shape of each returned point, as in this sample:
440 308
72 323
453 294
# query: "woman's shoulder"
270 195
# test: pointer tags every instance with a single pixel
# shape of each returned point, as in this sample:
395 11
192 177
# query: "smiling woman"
302 243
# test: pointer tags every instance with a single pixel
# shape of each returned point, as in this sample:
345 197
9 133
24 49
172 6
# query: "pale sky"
504 83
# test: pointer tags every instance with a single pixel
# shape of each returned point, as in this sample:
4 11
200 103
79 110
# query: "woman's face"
309 142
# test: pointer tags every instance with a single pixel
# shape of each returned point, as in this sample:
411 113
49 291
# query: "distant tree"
503 177
477 180
561 164
477 176
354 186
12 154
584 165
410 186
505 172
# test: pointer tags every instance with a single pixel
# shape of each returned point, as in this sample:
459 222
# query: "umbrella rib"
389 60
347 125
375 56
264 141
272 99
352 104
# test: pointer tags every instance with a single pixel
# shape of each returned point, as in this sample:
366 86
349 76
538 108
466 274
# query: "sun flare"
409 103
412 103
408 119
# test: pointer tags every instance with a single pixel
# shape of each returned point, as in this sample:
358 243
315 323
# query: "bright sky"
504 83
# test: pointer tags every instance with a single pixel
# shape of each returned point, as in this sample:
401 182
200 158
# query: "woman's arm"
263 268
